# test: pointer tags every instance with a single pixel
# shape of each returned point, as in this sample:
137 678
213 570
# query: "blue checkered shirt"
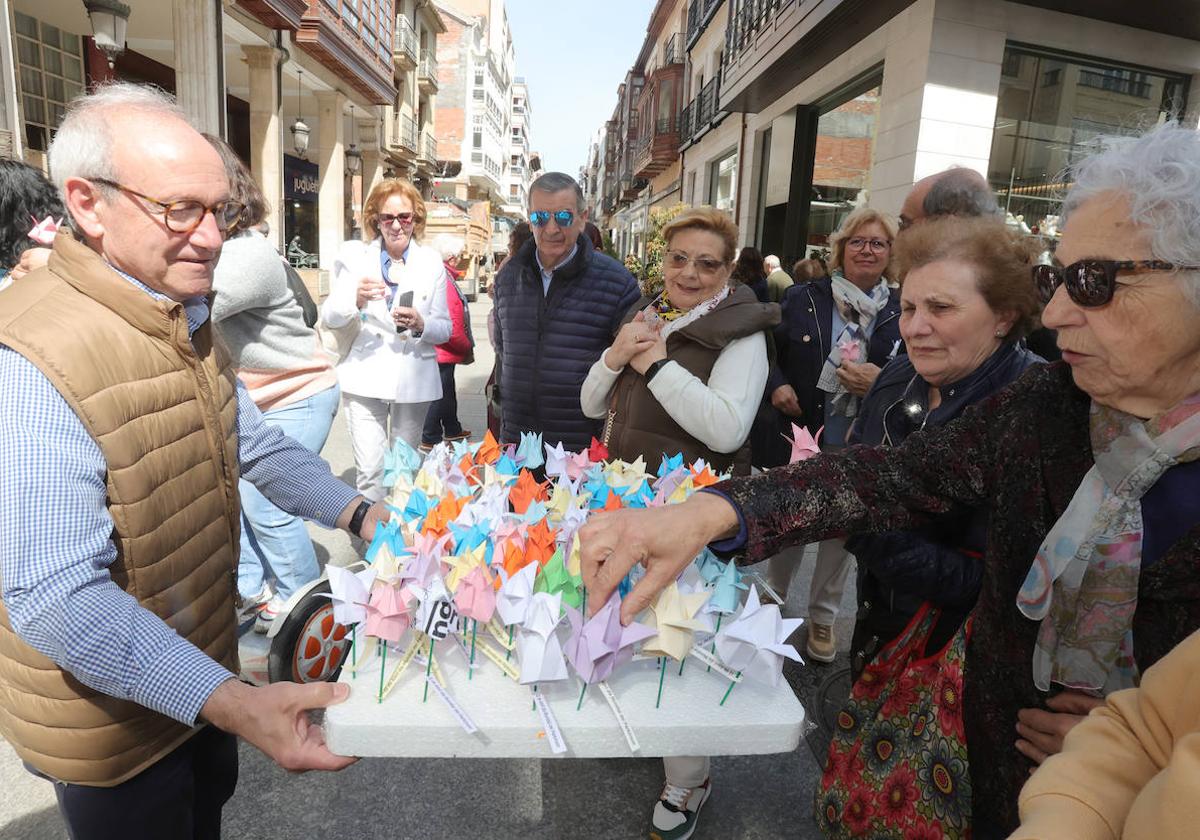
56 540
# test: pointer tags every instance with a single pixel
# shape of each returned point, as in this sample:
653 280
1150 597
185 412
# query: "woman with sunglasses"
1088 471
389 296
685 375
836 334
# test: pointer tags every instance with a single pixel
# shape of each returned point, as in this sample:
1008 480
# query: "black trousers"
442 419
180 797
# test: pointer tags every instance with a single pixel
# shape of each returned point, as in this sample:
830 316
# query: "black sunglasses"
1093 283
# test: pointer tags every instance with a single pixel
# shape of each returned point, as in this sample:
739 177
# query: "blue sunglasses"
562 218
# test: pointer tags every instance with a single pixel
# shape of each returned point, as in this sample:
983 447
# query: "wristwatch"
654 368
360 515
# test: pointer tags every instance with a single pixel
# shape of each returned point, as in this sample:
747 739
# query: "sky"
573 54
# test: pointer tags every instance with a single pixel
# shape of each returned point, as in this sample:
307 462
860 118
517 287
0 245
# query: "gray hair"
771 262
82 147
448 246
1159 174
553 182
960 192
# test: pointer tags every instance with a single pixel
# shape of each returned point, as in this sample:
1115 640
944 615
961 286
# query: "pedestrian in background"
835 336
751 271
558 303
389 293
26 199
778 280
441 422
287 374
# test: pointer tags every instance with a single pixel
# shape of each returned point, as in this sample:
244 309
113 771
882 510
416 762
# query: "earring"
999 334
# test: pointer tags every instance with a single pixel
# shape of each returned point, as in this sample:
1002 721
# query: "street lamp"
353 155
109 19
300 130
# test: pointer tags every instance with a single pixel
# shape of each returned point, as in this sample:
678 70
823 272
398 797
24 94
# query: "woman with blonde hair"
836 335
388 306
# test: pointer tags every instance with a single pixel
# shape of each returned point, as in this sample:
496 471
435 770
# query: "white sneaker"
677 810
251 606
267 613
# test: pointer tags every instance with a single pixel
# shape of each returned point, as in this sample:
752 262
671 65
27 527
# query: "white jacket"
384 364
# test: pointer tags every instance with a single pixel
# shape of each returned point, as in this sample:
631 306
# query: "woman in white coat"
396 289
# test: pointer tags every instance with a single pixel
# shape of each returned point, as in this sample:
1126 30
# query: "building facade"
312 94
797 111
473 120
521 161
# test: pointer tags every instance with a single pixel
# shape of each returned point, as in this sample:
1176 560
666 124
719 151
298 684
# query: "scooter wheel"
310 646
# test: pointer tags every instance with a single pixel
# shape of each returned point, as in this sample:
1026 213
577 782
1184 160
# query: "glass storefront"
842 163
1051 107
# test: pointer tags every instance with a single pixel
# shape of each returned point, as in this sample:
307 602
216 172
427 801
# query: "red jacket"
455 350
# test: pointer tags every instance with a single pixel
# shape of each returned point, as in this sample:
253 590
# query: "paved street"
753 797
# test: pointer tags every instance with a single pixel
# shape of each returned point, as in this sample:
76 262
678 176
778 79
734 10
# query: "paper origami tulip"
804 445
475 597
388 612
754 643
515 594
849 349
540 545
43 232
538 648
417 508
350 592
436 616
597 451
596 646
670 464
529 451
556 580
488 451
556 461
676 621
727 590
462 563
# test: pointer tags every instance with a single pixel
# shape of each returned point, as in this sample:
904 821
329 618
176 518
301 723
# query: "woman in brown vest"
685 374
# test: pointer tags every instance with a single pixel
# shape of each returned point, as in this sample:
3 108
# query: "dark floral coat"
1021 454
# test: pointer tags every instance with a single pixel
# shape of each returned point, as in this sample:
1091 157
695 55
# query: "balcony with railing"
404 137
700 12
427 74
404 44
657 150
673 51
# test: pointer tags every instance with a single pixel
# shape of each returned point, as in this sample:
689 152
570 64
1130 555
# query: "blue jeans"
274 543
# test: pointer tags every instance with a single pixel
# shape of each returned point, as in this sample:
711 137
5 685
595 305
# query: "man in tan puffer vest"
123 433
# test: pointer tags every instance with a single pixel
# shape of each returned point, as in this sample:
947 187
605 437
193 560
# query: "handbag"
897 764
339 340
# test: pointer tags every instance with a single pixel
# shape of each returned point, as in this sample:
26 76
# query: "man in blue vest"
558 303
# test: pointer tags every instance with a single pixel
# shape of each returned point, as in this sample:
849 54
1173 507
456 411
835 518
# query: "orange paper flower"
540 544
447 511
489 450
525 492
704 478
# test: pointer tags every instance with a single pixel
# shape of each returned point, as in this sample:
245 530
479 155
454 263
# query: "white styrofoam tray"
690 721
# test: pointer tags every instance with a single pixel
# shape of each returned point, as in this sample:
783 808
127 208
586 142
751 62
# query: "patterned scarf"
1083 585
676 319
858 310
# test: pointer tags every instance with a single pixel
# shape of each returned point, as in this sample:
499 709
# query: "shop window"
842 162
723 182
1050 109
50 64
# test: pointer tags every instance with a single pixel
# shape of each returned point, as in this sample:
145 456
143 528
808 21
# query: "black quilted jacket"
548 342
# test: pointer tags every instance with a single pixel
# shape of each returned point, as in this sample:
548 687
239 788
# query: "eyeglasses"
185 216
562 218
678 260
1093 283
876 245
387 219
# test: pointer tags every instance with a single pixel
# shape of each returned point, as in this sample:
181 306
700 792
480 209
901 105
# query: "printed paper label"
460 714
410 654
550 724
716 664
626 729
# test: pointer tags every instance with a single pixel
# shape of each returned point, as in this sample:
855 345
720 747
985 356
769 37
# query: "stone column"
199 63
266 145
369 143
331 157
